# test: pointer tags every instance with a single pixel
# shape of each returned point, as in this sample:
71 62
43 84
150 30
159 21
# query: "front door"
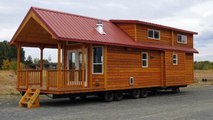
74 62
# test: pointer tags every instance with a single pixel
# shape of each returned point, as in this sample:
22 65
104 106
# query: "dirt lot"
8 83
194 102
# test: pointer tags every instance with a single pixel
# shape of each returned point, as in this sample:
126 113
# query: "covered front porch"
72 68
71 72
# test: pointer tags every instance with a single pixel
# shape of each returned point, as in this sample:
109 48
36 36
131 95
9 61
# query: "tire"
108 96
176 90
135 94
144 93
118 95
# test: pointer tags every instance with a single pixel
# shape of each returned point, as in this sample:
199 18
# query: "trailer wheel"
176 90
144 93
108 96
135 93
118 95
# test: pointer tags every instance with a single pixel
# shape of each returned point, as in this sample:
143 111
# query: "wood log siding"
189 67
139 33
123 63
175 74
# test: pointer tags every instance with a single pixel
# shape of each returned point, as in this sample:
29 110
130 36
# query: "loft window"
144 59
182 39
153 34
97 62
175 59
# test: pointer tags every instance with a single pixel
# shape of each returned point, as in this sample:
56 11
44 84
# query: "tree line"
8 58
203 65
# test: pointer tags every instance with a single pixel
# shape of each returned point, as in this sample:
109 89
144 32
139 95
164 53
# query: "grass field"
8 80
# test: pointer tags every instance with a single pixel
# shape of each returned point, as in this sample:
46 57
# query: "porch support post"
59 66
18 63
82 74
41 65
65 56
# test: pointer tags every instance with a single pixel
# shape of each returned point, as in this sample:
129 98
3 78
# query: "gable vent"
100 27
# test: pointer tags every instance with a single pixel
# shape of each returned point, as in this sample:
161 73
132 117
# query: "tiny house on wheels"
109 58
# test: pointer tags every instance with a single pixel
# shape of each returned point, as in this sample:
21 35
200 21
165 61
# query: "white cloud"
116 5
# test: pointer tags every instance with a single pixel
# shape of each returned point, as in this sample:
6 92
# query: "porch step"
30 98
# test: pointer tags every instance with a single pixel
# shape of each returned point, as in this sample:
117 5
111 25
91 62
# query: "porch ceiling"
32 33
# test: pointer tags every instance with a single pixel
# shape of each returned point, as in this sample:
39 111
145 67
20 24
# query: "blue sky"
194 15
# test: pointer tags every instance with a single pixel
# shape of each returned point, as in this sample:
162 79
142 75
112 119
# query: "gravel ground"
193 103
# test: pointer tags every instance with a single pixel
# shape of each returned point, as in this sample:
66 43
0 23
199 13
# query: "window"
97 60
144 59
182 39
153 34
175 59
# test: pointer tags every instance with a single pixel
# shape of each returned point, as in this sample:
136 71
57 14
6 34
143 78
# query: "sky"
193 15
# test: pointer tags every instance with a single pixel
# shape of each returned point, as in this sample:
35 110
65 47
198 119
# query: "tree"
9 52
36 61
6 64
29 61
49 59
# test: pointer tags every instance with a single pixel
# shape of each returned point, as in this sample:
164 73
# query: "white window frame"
102 59
175 59
182 36
153 34
147 60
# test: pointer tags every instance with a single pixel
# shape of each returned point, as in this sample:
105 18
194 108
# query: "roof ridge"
66 13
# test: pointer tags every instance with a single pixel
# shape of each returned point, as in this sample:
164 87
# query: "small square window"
153 34
182 39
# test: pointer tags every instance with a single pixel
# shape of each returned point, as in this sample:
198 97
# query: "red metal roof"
153 24
71 27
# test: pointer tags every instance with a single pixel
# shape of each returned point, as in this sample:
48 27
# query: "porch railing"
29 78
67 79
52 79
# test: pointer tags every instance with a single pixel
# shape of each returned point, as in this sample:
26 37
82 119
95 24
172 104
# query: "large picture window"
97 60
144 59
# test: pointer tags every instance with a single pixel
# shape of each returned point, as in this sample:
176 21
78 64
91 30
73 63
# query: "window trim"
181 36
175 59
147 60
153 34
98 63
